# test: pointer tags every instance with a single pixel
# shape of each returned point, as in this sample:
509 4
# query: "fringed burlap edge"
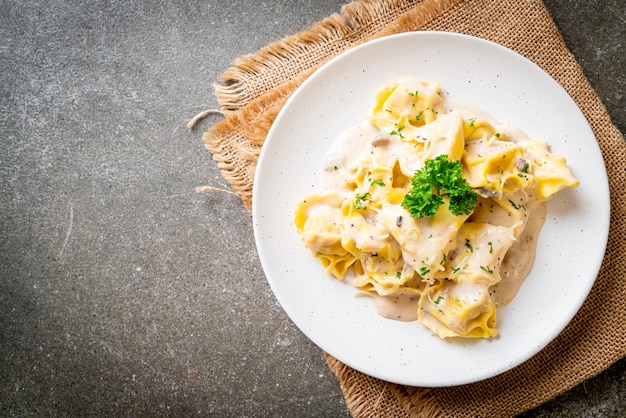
252 94
368 400
358 22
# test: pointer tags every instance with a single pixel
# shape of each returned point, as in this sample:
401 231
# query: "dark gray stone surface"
122 291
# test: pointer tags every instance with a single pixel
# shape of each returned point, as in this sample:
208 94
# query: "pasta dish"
433 208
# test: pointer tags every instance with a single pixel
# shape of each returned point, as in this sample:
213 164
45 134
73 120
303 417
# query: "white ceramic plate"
329 312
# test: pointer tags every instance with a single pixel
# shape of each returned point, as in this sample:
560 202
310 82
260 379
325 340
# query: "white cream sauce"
344 154
343 158
401 306
519 260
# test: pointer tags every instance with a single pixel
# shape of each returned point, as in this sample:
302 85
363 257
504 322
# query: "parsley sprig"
438 178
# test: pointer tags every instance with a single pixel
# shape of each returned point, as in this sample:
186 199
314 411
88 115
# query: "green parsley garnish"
399 275
418 116
468 244
438 178
379 182
486 269
424 271
360 200
516 206
490 244
397 132
413 94
471 122
438 300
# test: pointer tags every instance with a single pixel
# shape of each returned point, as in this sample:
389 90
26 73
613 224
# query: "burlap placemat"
255 88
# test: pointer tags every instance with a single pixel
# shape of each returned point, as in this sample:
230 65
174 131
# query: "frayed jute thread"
200 116
202 189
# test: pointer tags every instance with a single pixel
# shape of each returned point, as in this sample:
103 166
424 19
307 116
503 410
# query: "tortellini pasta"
357 227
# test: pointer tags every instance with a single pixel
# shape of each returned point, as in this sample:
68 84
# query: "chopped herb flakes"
379 182
397 131
361 199
515 205
486 269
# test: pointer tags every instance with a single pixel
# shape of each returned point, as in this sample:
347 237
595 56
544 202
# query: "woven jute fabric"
252 92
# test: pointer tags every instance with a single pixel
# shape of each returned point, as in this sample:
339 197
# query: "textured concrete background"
122 291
